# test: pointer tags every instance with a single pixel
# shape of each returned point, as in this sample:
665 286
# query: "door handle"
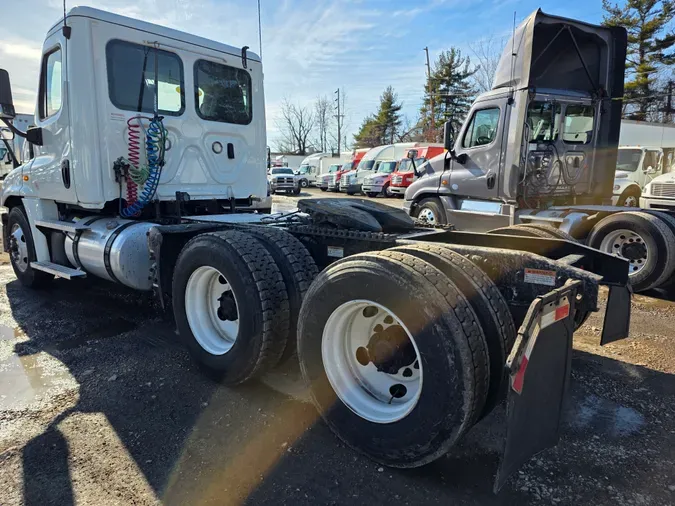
65 173
491 179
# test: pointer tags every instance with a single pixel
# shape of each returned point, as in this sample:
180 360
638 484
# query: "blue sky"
310 47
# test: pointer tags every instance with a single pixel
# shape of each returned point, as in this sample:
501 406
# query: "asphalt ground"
100 404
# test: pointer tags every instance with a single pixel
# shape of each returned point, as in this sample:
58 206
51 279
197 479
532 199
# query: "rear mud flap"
539 372
617 314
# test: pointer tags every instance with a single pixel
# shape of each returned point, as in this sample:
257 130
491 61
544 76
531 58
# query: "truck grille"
285 180
397 179
663 189
332 180
344 180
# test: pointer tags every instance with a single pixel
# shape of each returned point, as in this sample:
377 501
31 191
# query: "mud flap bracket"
539 371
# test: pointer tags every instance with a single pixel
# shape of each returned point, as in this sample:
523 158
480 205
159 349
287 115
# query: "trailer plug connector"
121 169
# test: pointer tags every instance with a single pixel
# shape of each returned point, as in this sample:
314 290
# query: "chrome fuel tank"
114 249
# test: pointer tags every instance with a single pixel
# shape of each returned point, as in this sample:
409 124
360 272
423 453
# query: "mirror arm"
14 129
417 174
10 151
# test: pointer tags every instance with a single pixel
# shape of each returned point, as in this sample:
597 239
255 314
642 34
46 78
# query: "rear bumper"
657 204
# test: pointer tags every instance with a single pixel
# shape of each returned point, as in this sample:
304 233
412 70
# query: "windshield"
628 159
304 169
366 164
386 168
347 166
406 165
282 171
333 168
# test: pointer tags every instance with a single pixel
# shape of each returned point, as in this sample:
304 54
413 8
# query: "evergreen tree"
384 127
452 92
649 39
389 116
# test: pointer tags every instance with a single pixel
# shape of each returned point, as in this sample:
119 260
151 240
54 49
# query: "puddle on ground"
602 416
25 380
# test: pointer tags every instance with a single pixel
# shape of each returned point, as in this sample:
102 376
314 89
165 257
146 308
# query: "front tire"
411 373
231 305
22 251
431 211
372 195
629 198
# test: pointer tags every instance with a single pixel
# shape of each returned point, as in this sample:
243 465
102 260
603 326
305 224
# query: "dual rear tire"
402 351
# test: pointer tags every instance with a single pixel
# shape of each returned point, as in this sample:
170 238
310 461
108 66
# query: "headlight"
617 187
647 190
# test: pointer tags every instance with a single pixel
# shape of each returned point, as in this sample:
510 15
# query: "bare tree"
323 114
410 131
487 51
295 126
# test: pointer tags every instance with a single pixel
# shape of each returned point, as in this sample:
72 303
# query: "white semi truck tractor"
148 170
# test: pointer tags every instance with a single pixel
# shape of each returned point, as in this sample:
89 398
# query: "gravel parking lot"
100 404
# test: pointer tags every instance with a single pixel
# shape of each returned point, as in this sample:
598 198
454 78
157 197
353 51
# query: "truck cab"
542 137
659 193
352 181
636 166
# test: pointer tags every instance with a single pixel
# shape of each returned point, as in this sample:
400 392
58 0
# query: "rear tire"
22 251
522 230
297 268
254 298
487 302
448 344
431 211
642 238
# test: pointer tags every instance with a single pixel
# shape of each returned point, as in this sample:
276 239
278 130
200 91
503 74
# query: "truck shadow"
146 417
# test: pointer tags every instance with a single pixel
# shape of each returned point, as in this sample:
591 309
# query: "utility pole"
431 96
339 121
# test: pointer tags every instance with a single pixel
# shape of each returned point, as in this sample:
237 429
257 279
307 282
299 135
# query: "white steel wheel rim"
617 243
18 247
371 394
215 332
427 215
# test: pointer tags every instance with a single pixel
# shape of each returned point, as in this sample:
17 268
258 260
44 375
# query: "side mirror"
651 170
34 135
6 103
448 136
462 158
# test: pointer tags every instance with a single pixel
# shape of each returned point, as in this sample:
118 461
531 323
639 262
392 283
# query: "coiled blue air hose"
155 145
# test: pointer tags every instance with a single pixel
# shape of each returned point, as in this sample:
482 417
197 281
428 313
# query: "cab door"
479 148
50 173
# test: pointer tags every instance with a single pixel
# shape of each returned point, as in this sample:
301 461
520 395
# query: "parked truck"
406 335
334 179
351 182
540 149
636 166
405 175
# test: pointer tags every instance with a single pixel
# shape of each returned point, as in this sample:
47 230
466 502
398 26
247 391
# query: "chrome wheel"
18 248
211 310
372 361
630 201
427 215
629 245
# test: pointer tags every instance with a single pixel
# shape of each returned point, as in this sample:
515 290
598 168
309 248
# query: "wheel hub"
389 350
633 250
228 307
427 215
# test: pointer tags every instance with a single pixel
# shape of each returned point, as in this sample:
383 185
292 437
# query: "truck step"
64 226
57 270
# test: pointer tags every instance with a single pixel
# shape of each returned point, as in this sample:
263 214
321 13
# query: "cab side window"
50 84
482 129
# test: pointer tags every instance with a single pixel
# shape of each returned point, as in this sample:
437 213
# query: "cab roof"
162 31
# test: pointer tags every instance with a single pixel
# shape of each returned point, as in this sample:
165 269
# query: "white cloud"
27 51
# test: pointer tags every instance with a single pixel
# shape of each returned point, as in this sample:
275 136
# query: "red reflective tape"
519 378
562 312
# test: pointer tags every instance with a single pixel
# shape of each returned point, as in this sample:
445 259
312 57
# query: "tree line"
455 79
